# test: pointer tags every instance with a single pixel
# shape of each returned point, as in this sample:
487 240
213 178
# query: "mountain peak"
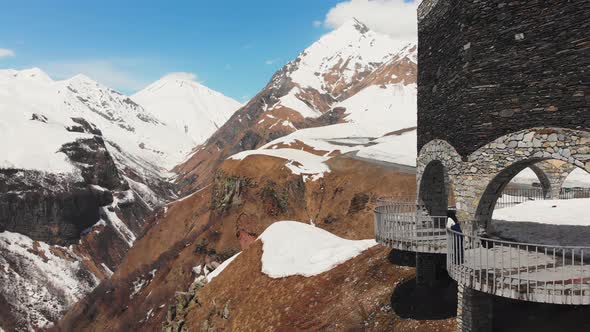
81 78
32 74
342 56
183 103
352 27
359 26
179 76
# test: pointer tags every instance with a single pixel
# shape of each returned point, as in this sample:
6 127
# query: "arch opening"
509 213
577 178
433 192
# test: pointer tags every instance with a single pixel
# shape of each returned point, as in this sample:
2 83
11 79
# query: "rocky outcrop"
56 217
56 208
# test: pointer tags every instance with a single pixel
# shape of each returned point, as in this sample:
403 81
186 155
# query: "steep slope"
221 219
81 168
262 166
304 93
187 106
354 295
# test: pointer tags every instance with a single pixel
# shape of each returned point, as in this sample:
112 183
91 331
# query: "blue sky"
231 46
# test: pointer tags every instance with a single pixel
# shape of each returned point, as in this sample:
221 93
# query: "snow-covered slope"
349 53
187 106
353 83
293 248
331 66
186 114
32 126
380 125
39 281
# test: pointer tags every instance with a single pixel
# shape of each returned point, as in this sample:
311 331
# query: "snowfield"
293 248
33 144
372 115
173 117
187 106
383 109
577 178
393 149
554 212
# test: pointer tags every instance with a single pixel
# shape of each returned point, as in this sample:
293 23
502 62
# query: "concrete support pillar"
429 268
474 310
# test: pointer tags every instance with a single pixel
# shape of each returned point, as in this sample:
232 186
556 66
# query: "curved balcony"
521 271
404 225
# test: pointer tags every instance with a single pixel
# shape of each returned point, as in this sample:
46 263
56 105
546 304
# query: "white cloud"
317 23
181 75
5 52
271 61
396 18
106 72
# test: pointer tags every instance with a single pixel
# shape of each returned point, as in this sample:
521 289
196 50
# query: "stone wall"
489 68
552 176
477 182
474 310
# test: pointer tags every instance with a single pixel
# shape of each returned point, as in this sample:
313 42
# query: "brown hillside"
355 295
224 218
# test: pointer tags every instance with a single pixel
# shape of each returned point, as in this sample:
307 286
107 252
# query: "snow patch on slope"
293 248
300 162
221 267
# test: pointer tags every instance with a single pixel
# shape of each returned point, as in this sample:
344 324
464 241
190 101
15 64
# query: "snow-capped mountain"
187 106
348 54
312 90
81 169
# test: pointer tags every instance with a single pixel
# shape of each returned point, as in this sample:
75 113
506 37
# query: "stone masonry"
502 86
477 182
490 68
552 175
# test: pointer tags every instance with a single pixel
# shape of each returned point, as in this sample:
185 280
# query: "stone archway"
437 164
433 192
495 164
469 180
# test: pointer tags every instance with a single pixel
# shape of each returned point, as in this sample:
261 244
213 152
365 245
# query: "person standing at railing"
453 224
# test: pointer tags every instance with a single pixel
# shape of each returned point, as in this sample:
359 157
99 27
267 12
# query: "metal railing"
522 271
572 193
513 196
406 226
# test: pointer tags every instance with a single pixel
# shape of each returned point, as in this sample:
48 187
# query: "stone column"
474 310
555 172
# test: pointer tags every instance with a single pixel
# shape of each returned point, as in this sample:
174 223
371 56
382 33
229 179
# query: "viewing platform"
521 271
405 225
